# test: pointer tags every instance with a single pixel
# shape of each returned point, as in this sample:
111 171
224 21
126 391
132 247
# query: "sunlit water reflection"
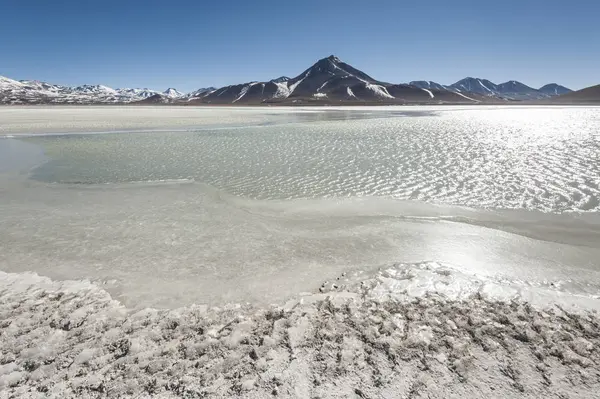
543 159
261 213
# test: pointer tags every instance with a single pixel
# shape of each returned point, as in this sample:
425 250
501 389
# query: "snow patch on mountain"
484 86
379 91
468 98
95 88
202 92
475 85
293 86
280 79
553 89
6 83
172 93
427 84
428 92
323 85
136 94
282 91
244 91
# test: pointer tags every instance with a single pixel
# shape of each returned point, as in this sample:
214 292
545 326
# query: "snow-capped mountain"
35 92
475 85
168 96
137 93
28 91
511 90
94 89
554 89
427 84
158 98
173 93
196 94
280 79
329 80
6 83
42 86
514 90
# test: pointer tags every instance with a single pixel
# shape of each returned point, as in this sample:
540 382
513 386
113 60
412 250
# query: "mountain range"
328 81
34 92
511 90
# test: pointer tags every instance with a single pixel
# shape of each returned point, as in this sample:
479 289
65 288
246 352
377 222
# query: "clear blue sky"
192 44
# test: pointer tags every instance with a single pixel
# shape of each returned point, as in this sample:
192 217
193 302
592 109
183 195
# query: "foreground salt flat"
389 335
375 328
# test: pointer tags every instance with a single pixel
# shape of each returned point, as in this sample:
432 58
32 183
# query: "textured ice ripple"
538 159
70 339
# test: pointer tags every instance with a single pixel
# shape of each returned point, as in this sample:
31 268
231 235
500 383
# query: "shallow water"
261 213
536 159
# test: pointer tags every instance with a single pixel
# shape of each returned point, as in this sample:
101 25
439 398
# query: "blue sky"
192 44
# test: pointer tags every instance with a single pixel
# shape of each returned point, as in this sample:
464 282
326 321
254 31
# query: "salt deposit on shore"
421 330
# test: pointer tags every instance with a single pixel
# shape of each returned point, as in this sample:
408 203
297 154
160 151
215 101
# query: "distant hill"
518 91
507 91
475 85
554 89
589 95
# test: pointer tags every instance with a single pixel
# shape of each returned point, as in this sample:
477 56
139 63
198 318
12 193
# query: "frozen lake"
218 205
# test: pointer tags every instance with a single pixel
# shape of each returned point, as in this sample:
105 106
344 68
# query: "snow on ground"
384 336
350 92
